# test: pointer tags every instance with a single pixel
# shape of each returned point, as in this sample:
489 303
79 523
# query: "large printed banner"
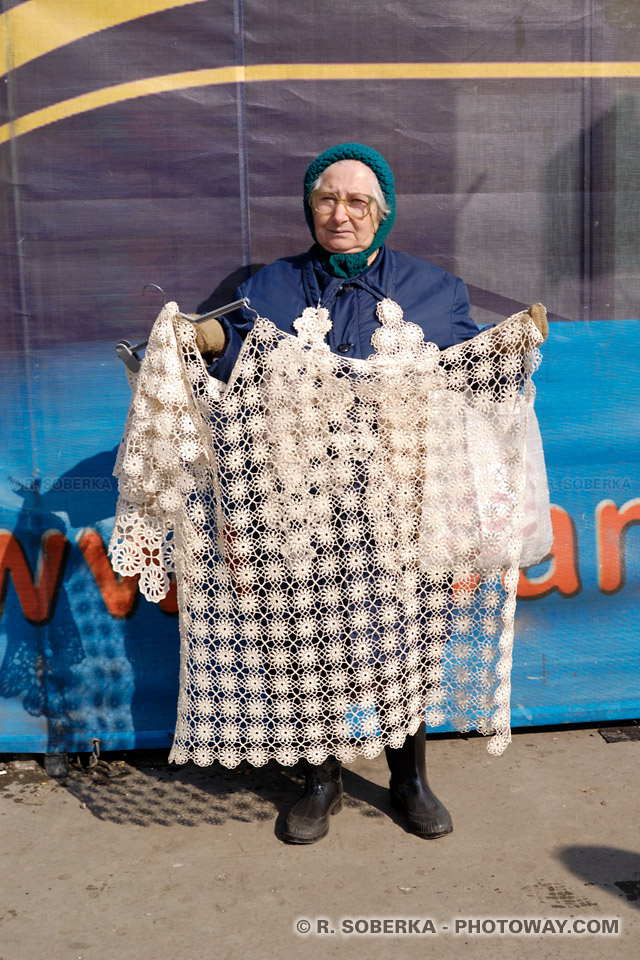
155 141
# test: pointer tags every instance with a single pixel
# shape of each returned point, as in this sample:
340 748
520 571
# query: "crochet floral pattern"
345 534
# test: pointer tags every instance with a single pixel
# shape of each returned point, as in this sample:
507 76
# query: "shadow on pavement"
605 867
151 791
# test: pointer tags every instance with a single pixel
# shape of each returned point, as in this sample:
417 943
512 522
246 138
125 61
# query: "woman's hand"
538 314
210 337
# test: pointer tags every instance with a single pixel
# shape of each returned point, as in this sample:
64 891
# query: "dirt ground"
139 860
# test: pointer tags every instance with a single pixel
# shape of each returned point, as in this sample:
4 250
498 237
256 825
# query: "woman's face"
337 232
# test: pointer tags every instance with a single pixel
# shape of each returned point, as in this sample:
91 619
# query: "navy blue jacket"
429 296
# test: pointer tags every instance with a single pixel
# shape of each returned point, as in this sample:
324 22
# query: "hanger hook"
248 306
155 285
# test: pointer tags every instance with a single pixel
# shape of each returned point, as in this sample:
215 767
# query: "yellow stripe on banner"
262 73
117 94
40 26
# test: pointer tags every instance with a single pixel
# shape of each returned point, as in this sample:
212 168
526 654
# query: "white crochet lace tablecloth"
345 534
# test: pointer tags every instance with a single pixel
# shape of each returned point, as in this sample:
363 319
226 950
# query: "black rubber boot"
410 792
308 819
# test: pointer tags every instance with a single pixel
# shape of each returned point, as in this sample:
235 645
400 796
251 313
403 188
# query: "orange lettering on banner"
611 529
37 594
563 574
464 589
169 604
119 593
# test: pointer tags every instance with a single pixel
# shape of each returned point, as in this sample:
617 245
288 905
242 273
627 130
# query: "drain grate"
630 888
620 734
557 896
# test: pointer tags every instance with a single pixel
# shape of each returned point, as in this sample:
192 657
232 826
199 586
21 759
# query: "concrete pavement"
162 862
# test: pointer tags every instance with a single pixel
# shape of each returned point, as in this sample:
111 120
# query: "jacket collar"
321 288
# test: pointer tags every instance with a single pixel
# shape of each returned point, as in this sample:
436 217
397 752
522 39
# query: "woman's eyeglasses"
357 206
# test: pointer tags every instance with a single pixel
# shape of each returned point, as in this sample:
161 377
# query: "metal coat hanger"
128 352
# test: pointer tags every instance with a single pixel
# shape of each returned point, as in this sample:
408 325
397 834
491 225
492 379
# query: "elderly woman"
350 207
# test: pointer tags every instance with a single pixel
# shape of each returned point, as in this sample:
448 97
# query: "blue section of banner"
578 658
86 672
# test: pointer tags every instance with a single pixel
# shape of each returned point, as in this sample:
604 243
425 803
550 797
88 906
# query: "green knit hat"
351 264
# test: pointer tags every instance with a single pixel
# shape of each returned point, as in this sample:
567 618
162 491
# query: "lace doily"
341 575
